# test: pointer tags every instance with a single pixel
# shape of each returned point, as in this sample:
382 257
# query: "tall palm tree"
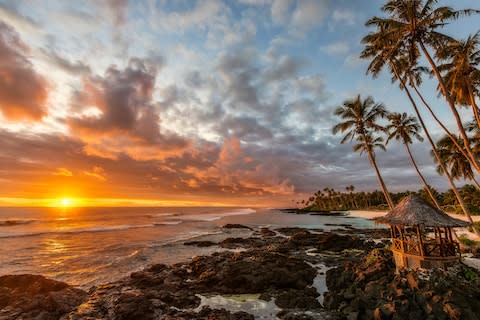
461 73
382 50
458 166
360 123
412 76
413 25
403 128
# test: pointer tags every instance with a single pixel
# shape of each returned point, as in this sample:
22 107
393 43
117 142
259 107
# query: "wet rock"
298 299
36 297
265 232
232 243
200 244
235 226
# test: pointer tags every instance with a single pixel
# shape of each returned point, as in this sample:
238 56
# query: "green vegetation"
470 274
331 200
468 242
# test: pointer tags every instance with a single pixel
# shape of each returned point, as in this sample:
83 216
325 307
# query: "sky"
184 102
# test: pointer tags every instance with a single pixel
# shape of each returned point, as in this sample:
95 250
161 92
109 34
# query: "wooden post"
420 242
402 238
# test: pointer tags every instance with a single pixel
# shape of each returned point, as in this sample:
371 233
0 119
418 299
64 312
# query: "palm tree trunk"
473 162
421 176
474 106
450 102
434 149
371 157
476 182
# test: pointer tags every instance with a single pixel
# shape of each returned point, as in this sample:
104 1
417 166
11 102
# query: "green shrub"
470 274
468 242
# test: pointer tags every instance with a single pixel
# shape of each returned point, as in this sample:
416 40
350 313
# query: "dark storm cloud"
23 92
125 99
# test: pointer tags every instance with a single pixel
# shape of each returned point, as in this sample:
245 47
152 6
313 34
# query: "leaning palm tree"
360 123
413 25
461 73
382 50
403 128
458 166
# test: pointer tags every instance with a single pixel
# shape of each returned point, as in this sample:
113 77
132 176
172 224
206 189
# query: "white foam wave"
216 215
78 230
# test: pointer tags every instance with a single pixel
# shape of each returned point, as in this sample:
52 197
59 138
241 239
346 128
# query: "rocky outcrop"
30 296
370 289
171 291
274 264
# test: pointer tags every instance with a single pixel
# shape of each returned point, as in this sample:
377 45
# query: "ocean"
89 246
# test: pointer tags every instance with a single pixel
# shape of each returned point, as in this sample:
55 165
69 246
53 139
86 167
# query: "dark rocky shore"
280 264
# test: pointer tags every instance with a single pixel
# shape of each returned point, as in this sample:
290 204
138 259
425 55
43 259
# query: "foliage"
468 242
330 199
470 274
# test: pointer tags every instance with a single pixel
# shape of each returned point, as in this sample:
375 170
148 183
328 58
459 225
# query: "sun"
65 202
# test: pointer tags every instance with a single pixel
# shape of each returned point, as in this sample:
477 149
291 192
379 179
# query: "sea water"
89 246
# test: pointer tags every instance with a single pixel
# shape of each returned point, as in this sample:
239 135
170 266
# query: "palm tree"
382 49
413 25
462 76
360 124
403 127
458 166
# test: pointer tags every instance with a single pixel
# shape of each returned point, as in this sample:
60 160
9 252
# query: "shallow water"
88 246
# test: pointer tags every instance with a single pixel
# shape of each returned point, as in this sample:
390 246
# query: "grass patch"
468 242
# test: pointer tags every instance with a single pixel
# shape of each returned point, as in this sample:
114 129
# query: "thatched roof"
414 210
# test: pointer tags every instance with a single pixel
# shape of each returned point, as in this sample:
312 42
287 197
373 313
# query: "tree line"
409 33
329 199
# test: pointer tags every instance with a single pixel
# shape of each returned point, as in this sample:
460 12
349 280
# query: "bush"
470 274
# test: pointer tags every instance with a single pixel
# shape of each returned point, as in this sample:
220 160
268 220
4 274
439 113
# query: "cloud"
283 68
23 92
344 17
202 14
280 11
76 68
20 22
97 173
124 99
309 13
336 48
63 172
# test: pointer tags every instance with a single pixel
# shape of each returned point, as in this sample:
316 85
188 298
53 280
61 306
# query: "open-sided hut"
422 234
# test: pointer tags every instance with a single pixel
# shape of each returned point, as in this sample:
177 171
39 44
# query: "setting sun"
66 202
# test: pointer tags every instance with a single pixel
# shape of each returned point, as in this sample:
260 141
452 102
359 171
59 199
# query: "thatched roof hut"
421 234
416 211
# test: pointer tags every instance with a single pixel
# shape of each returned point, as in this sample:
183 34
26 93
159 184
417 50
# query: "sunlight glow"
66 202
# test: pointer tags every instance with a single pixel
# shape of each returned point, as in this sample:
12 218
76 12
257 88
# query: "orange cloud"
63 172
23 92
97 173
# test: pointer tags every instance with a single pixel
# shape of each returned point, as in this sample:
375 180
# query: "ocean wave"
216 215
16 222
79 230
168 223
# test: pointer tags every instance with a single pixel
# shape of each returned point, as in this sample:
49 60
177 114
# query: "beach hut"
422 234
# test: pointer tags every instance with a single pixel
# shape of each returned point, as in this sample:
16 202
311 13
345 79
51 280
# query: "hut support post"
420 242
